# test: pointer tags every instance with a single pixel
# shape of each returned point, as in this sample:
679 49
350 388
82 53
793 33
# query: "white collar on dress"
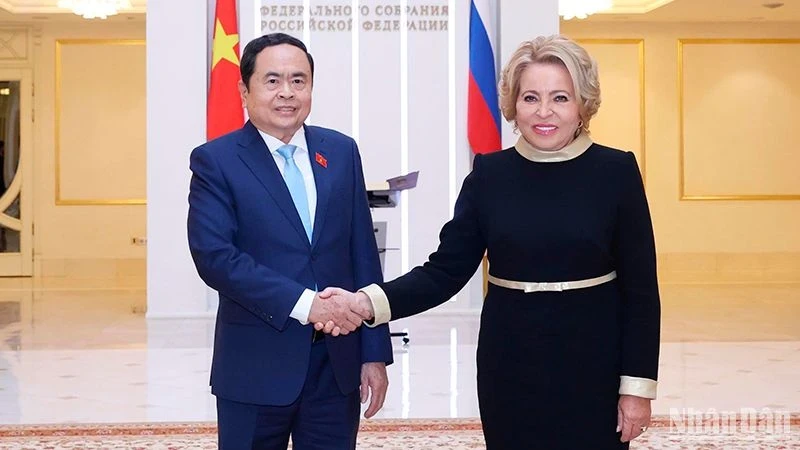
569 151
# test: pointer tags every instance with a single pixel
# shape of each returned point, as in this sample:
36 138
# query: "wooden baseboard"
92 268
729 268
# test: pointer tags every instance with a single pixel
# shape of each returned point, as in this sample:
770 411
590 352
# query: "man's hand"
336 310
359 304
374 379
633 416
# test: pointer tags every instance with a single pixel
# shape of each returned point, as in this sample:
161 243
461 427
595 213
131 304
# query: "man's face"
278 98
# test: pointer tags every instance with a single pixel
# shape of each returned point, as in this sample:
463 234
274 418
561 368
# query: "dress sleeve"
461 248
635 260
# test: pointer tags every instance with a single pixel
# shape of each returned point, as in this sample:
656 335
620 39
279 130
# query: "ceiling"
700 11
49 6
633 10
46 10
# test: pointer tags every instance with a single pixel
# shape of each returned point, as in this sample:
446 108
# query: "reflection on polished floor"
73 353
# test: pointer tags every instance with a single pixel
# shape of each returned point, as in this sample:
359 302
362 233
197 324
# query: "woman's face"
548 113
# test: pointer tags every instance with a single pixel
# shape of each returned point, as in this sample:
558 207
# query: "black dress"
549 363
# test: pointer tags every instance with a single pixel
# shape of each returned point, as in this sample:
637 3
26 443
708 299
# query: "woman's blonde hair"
554 49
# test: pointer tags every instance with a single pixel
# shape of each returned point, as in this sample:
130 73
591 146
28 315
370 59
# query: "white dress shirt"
301 157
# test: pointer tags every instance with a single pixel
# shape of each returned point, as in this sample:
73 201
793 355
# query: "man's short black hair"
254 47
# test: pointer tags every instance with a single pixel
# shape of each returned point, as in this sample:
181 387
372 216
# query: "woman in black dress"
569 338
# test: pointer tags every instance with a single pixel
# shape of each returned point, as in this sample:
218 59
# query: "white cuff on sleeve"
380 304
640 387
302 308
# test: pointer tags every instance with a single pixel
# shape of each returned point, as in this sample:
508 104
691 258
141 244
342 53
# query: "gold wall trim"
60 201
682 152
642 129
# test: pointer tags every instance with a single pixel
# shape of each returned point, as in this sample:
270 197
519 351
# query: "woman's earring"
580 129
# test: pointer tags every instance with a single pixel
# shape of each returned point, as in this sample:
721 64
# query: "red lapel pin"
321 160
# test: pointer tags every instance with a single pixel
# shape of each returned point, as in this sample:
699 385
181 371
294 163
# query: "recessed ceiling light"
772 5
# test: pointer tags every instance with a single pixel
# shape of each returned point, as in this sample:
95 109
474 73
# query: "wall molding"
682 43
15 44
59 199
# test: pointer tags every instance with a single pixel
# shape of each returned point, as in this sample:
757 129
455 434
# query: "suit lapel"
255 154
322 179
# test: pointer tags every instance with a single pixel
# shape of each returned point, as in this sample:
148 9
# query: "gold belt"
557 286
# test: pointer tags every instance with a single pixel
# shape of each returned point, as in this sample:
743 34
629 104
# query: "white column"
523 20
249 21
176 109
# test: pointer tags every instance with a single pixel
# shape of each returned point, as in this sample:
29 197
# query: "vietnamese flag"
224 113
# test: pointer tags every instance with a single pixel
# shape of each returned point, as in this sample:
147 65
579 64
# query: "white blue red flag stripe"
483 114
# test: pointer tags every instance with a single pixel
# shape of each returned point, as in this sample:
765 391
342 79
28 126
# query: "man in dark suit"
277 212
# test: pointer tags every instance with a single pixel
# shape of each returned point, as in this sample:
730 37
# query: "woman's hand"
633 416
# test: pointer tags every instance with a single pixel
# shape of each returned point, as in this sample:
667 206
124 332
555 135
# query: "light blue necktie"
297 186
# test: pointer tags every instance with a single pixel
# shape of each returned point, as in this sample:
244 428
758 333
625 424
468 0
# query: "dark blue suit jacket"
248 243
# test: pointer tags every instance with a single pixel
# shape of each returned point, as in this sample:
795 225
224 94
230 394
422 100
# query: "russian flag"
483 113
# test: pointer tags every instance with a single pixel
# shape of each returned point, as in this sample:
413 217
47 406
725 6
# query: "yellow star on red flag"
224 46
224 107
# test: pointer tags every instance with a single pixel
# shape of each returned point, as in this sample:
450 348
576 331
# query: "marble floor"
74 353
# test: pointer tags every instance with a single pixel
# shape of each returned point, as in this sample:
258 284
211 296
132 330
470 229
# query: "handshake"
336 311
